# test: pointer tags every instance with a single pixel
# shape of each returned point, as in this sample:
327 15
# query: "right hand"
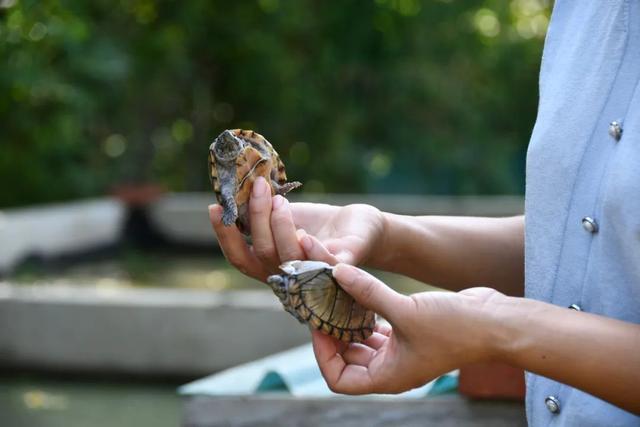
279 232
430 333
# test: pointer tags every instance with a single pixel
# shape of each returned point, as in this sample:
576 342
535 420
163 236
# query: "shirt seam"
584 151
560 386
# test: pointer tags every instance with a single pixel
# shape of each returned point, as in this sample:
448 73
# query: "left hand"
278 231
274 235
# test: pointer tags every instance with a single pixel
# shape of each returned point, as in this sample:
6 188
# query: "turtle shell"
308 291
236 158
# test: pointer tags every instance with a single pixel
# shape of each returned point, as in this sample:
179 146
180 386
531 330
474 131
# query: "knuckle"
355 207
289 254
333 386
361 208
368 289
414 303
236 261
408 308
377 387
265 253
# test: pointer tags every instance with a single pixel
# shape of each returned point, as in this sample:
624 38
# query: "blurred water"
38 402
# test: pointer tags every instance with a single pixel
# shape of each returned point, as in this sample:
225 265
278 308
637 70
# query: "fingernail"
215 213
345 273
278 201
259 187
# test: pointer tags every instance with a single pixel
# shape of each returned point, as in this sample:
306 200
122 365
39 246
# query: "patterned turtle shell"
236 158
309 292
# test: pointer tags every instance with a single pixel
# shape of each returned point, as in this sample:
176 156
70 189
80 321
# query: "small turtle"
308 291
236 158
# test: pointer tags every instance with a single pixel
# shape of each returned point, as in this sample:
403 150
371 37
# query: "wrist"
504 331
382 253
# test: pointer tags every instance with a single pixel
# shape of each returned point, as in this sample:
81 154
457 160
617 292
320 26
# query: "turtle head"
278 284
226 146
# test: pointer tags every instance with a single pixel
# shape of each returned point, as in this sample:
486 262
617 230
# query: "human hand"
430 333
350 233
278 232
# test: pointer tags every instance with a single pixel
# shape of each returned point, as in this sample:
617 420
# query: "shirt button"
575 307
615 130
553 404
590 224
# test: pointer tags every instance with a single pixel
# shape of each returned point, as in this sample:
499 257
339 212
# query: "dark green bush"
357 96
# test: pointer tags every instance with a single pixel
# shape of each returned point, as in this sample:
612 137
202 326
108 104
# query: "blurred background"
108 108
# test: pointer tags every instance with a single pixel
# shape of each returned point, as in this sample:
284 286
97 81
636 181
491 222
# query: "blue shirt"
582 208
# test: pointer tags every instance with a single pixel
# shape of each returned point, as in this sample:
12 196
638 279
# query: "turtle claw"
283 189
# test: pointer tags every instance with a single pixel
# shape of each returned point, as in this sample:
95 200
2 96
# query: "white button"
575 307
615 130
553 404
590 224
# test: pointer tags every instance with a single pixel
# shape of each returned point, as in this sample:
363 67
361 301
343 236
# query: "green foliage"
357 96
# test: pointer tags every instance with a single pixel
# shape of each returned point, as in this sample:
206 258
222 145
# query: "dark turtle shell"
236 158
308 291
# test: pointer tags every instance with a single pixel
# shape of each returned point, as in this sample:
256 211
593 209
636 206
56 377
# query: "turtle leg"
230 209
284 188
228 198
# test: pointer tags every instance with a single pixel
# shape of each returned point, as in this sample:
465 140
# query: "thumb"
314 249
369 291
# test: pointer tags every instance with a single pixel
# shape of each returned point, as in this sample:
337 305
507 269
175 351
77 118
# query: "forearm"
455 252
596 354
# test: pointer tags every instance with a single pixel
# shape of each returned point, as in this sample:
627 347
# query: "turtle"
309 292
236 158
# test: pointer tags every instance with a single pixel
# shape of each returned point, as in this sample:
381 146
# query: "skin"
432 333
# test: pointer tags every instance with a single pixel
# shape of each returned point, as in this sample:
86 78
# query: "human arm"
452 252
432 333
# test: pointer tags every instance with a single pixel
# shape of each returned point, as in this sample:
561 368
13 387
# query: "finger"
260 216
337 247
358 354
327 355
382 328
371 292
315 250
300 233
234 247
376 340
339 376
284 231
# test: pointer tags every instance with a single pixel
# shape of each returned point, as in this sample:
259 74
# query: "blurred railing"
181 218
